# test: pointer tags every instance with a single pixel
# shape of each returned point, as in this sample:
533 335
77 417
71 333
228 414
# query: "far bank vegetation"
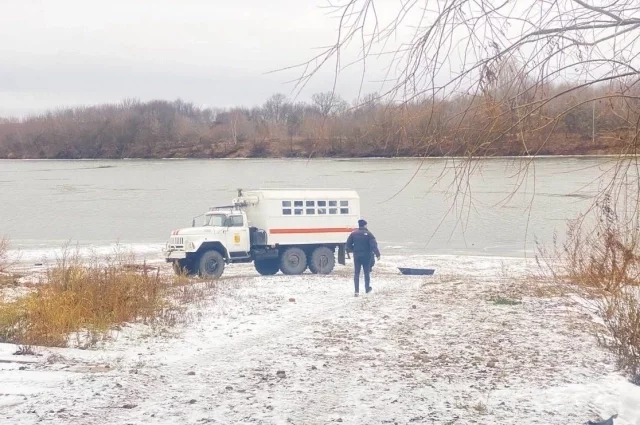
328 126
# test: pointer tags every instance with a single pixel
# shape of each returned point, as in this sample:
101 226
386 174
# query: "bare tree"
274 108
329 103
501 62
236 121
465 46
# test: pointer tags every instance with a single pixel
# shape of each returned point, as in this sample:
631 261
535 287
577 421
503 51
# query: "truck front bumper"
174 255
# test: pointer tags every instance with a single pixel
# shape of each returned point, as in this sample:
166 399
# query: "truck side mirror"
193 223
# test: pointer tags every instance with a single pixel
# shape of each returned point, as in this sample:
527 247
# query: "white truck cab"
286 230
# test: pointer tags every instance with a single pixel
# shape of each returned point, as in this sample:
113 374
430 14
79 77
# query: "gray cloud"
213 53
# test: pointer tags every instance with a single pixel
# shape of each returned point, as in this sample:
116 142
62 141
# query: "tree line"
498 121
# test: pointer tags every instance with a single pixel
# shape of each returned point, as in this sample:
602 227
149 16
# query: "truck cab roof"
226 211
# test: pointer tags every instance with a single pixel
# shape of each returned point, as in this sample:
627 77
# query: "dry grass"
4 255
480 408
537 285
620 312
605 258
6 277
603 265
87 299
500 300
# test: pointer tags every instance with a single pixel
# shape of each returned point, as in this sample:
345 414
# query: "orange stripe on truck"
311 230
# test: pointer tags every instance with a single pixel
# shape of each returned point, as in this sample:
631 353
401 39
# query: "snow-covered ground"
303 350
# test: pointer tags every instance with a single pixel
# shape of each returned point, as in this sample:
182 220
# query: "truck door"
237 236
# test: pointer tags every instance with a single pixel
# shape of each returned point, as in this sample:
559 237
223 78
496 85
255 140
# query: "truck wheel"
211 264
293 261
322 260
267 267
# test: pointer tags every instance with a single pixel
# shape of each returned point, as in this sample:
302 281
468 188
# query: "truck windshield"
215 220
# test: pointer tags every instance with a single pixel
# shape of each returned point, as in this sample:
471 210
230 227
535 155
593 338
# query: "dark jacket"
362 241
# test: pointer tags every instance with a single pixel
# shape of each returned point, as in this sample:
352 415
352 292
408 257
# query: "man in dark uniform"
363 244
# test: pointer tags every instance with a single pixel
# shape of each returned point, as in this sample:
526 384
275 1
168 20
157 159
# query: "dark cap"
362 223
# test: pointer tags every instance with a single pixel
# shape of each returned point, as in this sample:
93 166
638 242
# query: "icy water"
410 204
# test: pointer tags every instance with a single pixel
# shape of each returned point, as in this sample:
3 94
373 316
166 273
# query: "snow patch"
302 349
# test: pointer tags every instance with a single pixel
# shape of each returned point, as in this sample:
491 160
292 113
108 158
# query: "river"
410 204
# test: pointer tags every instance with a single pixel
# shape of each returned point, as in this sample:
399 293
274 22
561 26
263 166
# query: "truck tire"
267 267
211 264
293 261
322 260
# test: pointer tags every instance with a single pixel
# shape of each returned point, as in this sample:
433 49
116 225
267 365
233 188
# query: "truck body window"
286 208
315 207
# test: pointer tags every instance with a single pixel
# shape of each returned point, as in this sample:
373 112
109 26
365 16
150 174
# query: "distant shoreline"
318 158
284 129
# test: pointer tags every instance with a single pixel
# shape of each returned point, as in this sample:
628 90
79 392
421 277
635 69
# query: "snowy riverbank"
303 350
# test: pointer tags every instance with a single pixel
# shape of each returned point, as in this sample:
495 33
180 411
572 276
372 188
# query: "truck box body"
302 216
286 230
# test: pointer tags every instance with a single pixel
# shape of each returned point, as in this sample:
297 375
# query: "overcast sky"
213 53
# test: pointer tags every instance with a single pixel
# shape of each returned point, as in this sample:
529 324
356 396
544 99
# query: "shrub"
89 299
6 263
620 313
4 255
604 263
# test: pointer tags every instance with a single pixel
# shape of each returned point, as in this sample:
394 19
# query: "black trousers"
362 261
